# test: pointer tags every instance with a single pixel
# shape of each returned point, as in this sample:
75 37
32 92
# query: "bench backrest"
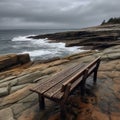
83 74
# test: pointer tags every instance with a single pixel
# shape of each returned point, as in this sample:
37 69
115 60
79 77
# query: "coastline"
17 102
98 37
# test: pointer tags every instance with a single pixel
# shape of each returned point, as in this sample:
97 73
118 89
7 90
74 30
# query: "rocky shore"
98 37
17 102
11 60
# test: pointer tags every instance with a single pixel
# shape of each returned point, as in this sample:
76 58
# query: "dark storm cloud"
56 13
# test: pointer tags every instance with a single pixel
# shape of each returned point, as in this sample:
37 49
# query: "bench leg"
63 103
83 90
41 102
95 73
95 77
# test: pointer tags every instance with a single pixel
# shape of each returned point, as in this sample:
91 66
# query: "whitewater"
38 49
43 48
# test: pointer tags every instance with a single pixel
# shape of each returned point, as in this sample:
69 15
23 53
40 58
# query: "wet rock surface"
101 102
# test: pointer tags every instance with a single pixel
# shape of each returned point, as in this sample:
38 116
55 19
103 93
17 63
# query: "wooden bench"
59 87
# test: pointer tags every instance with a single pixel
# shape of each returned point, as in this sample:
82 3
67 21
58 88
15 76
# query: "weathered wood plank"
59 94
92 64
57 79
58 86
63 102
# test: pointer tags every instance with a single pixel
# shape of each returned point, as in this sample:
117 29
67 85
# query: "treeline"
111 21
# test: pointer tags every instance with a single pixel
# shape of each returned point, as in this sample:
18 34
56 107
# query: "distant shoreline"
98 37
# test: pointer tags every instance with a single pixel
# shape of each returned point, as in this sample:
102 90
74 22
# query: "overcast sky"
46 14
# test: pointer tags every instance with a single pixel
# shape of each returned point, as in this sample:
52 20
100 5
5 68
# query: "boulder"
3 91
114 56
18 87
11 83
11 60
8 61
29 78
23 58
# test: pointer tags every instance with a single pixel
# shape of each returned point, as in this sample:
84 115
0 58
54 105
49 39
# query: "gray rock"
20 107
17 108
104 57
3 91
6 114
30 98
108 51
5 84
29 78
12 83
15 88
7 79
114 56
16 96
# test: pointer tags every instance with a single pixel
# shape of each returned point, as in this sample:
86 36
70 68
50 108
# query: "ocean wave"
21 38
43 48
35 53
26 38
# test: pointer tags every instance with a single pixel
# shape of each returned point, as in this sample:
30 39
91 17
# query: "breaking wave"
42 48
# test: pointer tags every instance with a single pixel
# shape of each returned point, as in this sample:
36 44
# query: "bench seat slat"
53 78
58 86
75 80
88 67
54 81
59 94
93 63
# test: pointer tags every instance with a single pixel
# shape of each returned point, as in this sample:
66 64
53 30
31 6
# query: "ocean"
16 41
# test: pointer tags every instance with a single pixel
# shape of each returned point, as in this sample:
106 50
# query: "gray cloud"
56 13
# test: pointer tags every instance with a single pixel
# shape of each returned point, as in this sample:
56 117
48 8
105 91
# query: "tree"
115 20
103 22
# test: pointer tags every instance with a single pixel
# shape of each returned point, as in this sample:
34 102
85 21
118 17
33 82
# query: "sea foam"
21 38
43 48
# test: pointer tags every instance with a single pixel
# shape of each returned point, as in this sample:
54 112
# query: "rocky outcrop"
102 102
17 102
11 60
99 37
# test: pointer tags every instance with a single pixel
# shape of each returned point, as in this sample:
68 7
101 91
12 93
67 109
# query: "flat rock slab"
11 60
3 91
114 56
6 114
16 96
